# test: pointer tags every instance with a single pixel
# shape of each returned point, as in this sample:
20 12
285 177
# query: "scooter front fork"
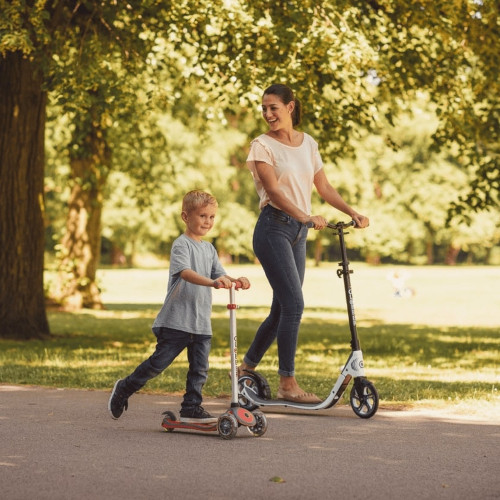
354 368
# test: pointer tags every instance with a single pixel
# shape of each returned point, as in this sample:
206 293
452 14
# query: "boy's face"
199 221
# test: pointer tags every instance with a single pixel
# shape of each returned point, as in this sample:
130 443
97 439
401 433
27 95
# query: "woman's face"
277 114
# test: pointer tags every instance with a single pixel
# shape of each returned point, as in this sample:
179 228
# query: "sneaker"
117 401
196 415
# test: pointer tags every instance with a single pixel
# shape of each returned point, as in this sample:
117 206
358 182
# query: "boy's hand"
243 283
222 282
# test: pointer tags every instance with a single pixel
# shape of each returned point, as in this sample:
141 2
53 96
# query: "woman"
285 164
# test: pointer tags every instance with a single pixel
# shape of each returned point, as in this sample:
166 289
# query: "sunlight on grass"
411 363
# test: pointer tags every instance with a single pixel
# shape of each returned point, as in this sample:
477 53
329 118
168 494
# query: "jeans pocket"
279 217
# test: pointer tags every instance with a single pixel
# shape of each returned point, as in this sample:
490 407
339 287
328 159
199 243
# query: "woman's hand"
360 220
318 221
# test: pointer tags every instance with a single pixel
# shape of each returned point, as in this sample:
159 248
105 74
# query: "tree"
33 36
22 119
345 59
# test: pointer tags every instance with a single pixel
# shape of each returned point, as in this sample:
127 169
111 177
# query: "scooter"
227 424
364 399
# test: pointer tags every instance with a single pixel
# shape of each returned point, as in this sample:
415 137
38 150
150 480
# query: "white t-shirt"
295 168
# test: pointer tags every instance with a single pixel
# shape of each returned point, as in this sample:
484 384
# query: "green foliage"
129 71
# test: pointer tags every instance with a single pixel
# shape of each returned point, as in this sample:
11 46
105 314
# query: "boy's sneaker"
117 401
196 415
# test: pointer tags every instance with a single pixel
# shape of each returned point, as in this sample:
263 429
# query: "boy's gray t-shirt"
188 307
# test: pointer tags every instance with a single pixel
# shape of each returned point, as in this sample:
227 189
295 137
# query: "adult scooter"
254 389
227 424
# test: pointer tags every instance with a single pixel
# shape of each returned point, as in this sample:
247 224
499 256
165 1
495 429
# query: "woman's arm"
333 198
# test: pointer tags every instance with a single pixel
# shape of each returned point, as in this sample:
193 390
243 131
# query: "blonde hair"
196 199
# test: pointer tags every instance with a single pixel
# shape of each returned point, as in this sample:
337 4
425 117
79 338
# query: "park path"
62 444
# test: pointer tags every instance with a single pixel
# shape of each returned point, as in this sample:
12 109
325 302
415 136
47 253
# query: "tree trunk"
429 251
318 250
81 244
22 128
451 255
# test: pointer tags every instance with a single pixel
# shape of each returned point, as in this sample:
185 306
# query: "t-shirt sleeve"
259 152
317 161
217 269
179 258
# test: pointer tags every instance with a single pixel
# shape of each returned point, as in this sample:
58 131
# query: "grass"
439 347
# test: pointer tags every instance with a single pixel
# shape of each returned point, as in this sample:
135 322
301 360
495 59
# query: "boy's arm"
221 282
197 279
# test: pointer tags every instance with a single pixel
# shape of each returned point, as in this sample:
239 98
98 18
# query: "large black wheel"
256 382
364 398
227 426
260 427
169 415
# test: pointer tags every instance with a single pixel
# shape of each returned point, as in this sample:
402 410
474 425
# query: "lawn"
440 346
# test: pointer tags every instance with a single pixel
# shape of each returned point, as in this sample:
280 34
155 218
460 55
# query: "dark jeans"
169 345
279 242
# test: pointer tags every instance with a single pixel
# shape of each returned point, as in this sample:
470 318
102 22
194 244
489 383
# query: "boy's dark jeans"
169 345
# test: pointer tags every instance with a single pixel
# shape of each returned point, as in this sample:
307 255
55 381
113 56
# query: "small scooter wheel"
260 427
227 426
364 398
169 415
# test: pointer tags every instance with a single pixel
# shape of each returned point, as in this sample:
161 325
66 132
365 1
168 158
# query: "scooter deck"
169 425
323 405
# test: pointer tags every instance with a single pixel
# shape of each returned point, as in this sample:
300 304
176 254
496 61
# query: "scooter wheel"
364 398
260 427
248 381
169 415
227 426
258 384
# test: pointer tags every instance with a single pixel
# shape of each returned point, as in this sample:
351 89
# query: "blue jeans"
279 242
169 345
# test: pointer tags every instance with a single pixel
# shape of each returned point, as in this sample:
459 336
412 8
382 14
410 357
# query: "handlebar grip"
330 225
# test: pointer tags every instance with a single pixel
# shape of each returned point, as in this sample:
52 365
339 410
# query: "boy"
184 320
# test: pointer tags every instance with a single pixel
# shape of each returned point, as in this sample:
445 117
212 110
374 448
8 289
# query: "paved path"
62 444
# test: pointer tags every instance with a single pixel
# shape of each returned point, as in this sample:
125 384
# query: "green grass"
421 350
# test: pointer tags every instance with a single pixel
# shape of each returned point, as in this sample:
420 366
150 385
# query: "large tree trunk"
81 244
22 127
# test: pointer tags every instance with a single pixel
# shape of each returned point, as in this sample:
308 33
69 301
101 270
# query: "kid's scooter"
227 425
254 389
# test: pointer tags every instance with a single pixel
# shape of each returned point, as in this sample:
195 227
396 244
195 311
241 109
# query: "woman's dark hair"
285 93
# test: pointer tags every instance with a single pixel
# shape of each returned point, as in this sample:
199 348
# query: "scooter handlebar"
336 225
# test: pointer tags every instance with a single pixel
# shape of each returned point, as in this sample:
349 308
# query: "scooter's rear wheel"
257 383
169 415
364 398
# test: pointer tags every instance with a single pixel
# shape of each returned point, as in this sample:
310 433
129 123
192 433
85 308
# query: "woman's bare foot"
289 390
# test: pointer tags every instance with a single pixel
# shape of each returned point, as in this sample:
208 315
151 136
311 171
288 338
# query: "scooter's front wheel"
227 426
364 398
260 427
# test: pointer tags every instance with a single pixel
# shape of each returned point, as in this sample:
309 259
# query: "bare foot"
289 390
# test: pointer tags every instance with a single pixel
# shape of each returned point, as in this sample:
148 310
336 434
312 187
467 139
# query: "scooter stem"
234 347
344 273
